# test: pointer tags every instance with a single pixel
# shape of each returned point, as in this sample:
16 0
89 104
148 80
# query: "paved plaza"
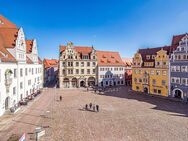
123 116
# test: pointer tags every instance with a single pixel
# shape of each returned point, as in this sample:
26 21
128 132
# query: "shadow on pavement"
160 103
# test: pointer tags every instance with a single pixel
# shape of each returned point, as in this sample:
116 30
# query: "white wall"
117 75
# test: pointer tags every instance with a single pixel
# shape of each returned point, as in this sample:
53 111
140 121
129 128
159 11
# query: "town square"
124 115
93 70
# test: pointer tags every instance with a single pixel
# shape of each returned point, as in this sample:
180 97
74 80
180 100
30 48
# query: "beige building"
77 66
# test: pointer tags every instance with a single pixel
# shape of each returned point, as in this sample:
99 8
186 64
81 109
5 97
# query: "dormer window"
147 57
153 56
85 57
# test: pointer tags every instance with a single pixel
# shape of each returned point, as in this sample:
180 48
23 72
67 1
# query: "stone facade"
179 69
77 66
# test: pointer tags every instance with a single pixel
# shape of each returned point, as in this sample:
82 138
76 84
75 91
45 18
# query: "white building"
110 69
21 70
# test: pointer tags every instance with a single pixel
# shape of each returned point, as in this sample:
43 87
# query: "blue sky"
117 25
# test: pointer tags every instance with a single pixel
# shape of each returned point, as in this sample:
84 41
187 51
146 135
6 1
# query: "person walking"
97 108
60 98
86 107
93 107
90 105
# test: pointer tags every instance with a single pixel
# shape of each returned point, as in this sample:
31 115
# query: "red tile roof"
5 23
50 63
127 61
5 55
29 46
79 49
28 60
109 58
39 60
175 40
8 37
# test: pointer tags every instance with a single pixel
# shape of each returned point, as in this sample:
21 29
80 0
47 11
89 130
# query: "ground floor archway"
178 93
74 82
91 81
66 83
145 89
82 83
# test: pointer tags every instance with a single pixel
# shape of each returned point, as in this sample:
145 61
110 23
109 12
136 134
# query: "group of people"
92 107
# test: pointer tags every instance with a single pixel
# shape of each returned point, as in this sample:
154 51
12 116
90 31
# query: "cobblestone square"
123 116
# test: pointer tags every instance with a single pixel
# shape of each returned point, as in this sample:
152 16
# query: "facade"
128 71
179 67
110 69
21 70
77 66
150 70
50 70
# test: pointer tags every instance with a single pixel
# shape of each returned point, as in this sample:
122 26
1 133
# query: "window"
93 71
29 82
147 57
77 64
85 57
106 82
155 90
88 64
25 71
15 73
183 69
154 81
77 71
159 91
163 82
88 71
135 80
32 71
172 80
93 57
177 80
178 68
82 71
140 80
63 72
94 64
82 64
137 88
158 72
164 72
158 63
14 90
21 85
183 81
21 72
152 72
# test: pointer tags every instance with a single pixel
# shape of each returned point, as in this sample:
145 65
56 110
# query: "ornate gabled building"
77 66
21 70
150 70
179 67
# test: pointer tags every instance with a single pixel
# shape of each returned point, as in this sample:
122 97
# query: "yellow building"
150 70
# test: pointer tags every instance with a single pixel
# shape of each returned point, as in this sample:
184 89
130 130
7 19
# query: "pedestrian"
86 107
87 89
93 107
95 90
90 105
60 98
97 108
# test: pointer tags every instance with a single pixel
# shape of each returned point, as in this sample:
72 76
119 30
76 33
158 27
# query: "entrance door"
82 84
146 90
178 94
